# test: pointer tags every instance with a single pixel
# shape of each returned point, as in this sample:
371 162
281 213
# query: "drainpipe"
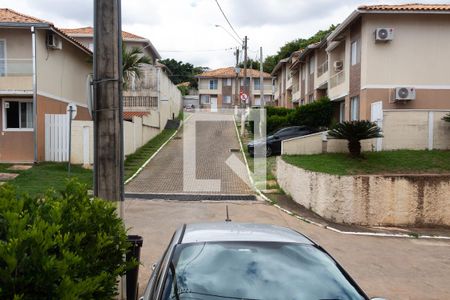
158 87
35 121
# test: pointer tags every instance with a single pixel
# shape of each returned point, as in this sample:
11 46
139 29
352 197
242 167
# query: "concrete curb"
306 220
157 151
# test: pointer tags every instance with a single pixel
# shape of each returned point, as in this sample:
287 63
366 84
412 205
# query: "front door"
214 104
376 115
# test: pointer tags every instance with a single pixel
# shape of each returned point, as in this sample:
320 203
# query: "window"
18 115
228 82
311 65
257 101
247 81
311 98
354 53
227 99
342 112
257 84
204 99
354 108
91 47
213 83
2 57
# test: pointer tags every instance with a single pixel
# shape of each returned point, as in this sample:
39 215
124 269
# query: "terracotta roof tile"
10 16
407 7
229 72
90 31
128 115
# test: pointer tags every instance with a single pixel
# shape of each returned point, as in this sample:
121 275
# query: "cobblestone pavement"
209 140
394 268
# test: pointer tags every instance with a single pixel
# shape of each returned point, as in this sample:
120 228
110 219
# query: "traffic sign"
244 97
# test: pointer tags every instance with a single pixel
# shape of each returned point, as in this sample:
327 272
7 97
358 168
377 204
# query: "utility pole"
261 78
245 71
108 119
236 88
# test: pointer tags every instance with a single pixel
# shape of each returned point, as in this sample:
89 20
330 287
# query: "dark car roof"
232 231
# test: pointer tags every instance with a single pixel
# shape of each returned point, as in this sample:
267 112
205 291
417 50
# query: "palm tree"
354 132
132 61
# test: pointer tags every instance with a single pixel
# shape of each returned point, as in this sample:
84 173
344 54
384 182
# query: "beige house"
282 83
41 71
222 88
382 57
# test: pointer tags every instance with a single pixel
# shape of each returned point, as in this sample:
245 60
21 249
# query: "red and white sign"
244 97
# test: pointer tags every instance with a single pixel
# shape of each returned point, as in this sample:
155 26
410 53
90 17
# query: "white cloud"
188 26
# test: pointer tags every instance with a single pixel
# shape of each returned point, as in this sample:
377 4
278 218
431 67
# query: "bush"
316 114
60 246
278 111
446 118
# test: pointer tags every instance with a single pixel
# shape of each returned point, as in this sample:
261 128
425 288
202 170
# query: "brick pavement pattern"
215 136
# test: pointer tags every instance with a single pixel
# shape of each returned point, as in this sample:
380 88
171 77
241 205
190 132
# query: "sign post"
72 111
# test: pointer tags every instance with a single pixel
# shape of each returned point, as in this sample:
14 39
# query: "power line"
229 33
205 50
231 26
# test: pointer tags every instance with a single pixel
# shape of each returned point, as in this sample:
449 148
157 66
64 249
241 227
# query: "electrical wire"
225 16
205 50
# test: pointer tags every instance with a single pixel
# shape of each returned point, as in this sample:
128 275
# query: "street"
381 265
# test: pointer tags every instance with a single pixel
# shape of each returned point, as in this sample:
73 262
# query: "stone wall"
389 200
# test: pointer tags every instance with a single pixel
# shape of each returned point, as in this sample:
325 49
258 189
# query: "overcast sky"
185 29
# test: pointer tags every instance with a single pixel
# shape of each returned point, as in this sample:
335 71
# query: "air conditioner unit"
405 93
53 41
384 34
338 65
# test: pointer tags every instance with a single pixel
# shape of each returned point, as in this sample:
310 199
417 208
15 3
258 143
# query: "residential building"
221 88
42 70
382 57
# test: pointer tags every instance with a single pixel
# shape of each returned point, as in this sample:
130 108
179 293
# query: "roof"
406 7
128 115
9 17
231 73
279 64
89 31
126 36
232 231
397 8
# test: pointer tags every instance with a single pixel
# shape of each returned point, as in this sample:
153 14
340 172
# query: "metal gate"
57 137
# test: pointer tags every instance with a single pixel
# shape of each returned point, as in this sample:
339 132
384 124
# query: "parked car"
230 260
273 142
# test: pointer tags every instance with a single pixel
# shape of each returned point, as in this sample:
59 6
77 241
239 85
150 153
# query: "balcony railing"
140 101
337 79
295 88
267 87
322 69
16 67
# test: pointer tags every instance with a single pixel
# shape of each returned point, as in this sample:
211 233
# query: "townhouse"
382 57
41 70
221 88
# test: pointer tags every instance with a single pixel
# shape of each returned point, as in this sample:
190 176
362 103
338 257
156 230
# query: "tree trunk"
354 147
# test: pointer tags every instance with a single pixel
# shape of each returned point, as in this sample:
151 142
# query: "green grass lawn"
134 161
43 176
386 162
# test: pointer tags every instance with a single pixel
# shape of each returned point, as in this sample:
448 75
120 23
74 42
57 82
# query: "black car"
273 142
217 261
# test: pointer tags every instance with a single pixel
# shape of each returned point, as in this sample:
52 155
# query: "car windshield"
256 270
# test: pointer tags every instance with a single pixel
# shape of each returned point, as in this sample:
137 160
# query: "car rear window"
256 270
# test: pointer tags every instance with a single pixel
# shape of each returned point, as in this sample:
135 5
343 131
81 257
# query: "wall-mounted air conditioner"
338 65
405 93
53 41
384 34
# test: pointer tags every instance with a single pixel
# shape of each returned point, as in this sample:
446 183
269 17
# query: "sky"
185 29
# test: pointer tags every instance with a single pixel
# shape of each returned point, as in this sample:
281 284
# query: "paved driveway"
209 141
395 268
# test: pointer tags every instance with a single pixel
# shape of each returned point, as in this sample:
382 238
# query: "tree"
446 117
132 61
182 72
354 132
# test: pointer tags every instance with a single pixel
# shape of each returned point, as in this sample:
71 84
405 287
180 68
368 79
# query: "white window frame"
354 108
215 83
311 65
5 65
228 81
354 55
227 97
4 128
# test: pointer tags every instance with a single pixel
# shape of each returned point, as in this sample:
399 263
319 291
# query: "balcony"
337 79
139 103
268 89
16 74
322 69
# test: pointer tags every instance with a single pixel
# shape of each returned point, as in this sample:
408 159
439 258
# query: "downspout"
158 87
35 123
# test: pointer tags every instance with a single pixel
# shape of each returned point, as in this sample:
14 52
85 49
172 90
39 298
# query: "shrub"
277 111
60 246
315 114
446 118
354 132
